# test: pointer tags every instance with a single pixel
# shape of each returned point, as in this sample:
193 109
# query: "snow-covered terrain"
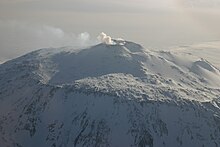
206 50
116 95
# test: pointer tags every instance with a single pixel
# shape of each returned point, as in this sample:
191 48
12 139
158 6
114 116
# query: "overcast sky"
26 25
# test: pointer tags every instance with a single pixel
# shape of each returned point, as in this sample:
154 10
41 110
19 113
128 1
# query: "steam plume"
105 38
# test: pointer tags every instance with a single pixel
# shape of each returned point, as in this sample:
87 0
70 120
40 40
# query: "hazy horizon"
26 25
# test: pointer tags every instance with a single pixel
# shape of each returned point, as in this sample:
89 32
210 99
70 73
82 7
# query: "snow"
204 58
207 50
117 94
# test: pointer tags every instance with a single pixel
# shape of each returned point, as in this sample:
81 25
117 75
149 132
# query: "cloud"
17 38
204 4
105 38
83 38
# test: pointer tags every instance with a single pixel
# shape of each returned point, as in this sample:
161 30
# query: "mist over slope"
207 50
117 94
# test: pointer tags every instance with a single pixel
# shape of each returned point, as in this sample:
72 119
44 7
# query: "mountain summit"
116 94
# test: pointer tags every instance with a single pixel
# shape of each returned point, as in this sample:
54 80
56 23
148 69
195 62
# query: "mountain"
115 95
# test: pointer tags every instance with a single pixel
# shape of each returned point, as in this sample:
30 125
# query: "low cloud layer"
17 38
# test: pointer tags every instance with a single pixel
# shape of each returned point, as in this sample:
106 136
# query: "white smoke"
105 39
84 39
18 38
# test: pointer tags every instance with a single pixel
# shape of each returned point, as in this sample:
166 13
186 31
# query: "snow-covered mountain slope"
109 95
207 50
